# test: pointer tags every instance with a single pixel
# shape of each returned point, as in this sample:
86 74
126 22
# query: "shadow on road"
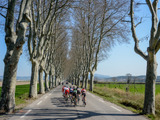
70 113
58 114
60 102
66 111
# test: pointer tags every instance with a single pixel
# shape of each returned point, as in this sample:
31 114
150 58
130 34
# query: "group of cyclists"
74 93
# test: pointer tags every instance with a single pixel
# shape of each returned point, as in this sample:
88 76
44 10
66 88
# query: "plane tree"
42 21
100 23
76 54
150 55
15 35
44 68
60 56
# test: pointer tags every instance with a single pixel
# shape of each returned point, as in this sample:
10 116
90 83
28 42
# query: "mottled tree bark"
50 80
86 80
34 79
56 81
75 80
46 82
78 83
7 102
91 80
151 76
154 46
83 80
46 85
41 82
14 41
53 81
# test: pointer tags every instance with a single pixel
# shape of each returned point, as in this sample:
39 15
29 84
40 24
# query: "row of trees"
98 25
42 24
95 26
152 49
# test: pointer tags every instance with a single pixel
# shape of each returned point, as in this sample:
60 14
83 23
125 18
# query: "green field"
21 94
133 99
134 88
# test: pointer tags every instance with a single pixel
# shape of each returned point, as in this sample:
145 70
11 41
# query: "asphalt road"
52 106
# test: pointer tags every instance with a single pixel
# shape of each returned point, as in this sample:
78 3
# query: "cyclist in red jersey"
83 92
66 92
63 90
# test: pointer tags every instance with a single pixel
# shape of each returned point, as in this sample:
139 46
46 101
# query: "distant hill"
137 79
99 76
25 78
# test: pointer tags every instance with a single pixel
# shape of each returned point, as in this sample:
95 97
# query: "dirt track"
19 83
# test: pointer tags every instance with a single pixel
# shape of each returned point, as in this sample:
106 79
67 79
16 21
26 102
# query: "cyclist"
83 91
66 92
70 90
78 93
74 94
63 90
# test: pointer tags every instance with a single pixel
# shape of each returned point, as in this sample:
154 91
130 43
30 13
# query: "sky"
122 58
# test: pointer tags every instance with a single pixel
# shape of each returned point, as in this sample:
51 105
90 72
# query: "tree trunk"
41 83
14 41
151 76
50 81
86 81
46 82
7 102
34 78
78 83
75 80
83 80
91 80
55 81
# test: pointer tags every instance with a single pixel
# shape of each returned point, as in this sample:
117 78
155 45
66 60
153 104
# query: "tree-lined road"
52 106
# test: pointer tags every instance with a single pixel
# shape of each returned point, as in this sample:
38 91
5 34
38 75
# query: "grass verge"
21 95
128 100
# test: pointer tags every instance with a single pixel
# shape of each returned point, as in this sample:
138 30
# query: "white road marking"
39 102
50 94
101 100
25 113
45 97
115 108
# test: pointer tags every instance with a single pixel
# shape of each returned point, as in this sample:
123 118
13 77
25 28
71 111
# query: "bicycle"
71 98
78 95
74 100
66 97
83 100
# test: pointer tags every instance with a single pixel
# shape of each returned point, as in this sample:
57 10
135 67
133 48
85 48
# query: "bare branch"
137 49
139 22
2 15
150 7
29 40
22 6
3 7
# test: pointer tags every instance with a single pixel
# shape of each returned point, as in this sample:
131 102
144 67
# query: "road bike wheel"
78 99
75 102
84 103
